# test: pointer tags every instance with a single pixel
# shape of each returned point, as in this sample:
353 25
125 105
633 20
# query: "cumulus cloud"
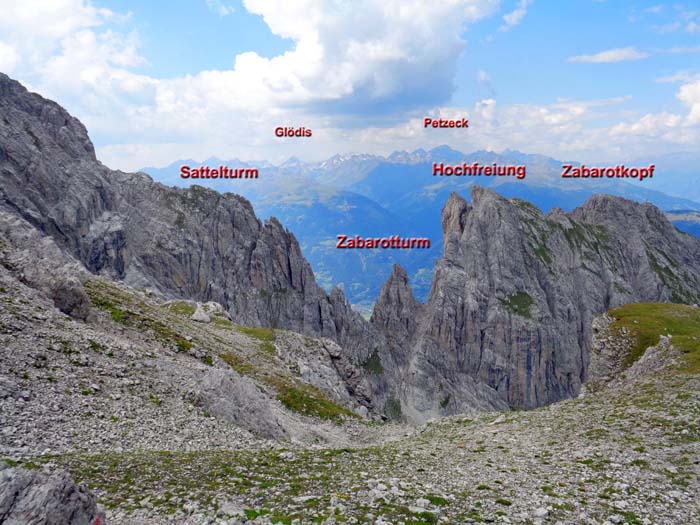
50 20
363 54
575 129
610 56
370 57
361 74
513 18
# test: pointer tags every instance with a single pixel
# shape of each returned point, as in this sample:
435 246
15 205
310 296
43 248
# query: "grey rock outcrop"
41 264
33 498
611 349
508 320
200 315
227 395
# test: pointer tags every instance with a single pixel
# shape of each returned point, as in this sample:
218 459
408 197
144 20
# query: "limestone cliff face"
194 243
508 319
507 322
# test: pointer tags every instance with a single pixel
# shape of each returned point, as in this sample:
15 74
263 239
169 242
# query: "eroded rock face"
194 243
610 364
234 398
29 497
41 264
508 320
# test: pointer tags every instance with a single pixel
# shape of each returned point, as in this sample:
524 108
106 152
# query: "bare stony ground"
628 455
170 420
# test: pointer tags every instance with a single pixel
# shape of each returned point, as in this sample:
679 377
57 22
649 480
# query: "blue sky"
156 81
530 63
184 37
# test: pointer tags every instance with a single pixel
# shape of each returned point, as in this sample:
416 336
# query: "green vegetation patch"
309 401
519 304
543 253
294 395
601 234
392 409
220 321
549 491
526 206
438 501
124 309
425 518
445 401
96 346
260 333
266 336
620 289
373 364
576 235
182 308
646 322
241 365
595 237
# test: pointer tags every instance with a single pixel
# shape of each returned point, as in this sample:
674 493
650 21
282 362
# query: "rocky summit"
508 322
168 358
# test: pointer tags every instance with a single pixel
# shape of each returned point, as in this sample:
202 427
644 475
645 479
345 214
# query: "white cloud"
655 9
679 76
8 57
50 19
682 50
576 129
610 56
682 19
350 66
689 94
665 29
513 18
220 8
347 57
649 125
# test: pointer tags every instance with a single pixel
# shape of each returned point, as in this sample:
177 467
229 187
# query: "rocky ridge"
193 244
508 320
172 412
146 374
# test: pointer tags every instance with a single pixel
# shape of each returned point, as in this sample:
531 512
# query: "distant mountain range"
508 321
371 195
